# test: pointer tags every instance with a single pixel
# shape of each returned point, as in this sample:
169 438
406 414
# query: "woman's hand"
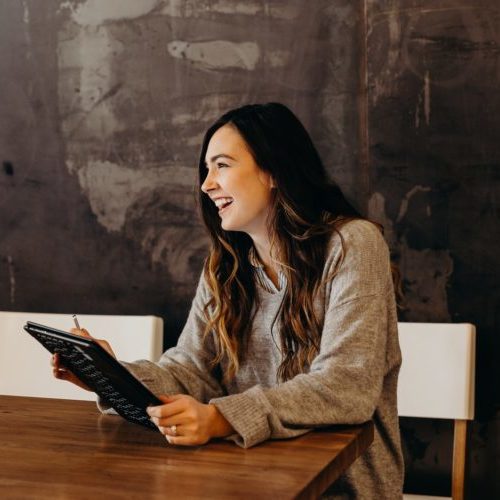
185 421
61 372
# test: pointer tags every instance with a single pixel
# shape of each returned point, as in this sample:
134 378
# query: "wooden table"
58 449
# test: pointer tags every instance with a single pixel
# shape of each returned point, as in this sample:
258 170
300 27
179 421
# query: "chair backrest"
437 381
24 363
437 374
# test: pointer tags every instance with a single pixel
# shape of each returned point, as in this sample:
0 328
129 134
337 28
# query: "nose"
210 181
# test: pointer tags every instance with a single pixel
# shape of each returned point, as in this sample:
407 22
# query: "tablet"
94 366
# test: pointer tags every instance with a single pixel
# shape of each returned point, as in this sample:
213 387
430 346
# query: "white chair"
437 381
25 364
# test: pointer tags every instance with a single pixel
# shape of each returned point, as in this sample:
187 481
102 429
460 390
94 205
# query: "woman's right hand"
62 373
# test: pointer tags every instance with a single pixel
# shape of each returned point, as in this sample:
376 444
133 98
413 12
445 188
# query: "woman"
294 324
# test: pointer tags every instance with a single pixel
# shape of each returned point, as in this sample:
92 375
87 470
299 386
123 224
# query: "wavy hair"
306 208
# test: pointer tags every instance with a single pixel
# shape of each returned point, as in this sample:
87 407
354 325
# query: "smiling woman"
294 324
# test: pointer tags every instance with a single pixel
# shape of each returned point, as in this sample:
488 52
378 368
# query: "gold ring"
173 430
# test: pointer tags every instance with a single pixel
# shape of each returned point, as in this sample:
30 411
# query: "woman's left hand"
185 421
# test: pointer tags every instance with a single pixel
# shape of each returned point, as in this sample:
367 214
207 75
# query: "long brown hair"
307 209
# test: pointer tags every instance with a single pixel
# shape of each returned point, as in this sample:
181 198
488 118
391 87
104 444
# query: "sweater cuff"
248 415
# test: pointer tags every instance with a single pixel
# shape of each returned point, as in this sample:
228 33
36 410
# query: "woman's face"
235 183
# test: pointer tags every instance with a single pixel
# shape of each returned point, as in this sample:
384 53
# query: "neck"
263 247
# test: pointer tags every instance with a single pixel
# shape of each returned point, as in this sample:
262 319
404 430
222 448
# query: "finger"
81 332
167 430
166 410
166 398
105 345
170 398
162 409
178 420
55 361
182 441
61 374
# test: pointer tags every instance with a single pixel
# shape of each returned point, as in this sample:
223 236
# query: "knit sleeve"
345 380
185 368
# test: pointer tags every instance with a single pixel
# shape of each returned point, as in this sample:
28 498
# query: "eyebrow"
222 155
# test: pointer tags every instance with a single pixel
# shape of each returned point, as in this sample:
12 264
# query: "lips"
224 208
223 203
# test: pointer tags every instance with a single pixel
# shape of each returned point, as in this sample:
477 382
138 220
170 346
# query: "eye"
222 165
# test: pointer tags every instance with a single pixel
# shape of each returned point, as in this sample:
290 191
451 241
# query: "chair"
437 381
25 364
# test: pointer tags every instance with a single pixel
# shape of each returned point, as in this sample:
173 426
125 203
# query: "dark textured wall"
103 106
434 125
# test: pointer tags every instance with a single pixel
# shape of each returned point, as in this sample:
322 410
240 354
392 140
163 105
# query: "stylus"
76 322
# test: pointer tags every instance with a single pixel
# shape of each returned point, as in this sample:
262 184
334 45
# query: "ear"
272 183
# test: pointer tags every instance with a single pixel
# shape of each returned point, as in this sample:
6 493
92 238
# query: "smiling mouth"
225 207
223 203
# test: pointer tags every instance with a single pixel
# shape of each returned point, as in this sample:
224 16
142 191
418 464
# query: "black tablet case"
100 371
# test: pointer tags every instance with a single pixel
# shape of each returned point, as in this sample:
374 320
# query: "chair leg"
459 460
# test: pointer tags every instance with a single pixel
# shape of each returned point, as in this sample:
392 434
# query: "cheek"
259 199
250 190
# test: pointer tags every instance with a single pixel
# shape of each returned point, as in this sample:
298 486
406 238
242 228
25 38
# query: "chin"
228 226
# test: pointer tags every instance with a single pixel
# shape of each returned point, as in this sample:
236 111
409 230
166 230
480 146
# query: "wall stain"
453 44
403 209
8 168
216 54
96 13
426 272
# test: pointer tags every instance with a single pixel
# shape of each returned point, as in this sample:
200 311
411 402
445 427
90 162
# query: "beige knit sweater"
353 378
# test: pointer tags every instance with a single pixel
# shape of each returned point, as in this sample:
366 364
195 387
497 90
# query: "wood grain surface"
62 449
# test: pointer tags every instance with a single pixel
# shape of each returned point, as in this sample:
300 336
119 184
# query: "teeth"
220 202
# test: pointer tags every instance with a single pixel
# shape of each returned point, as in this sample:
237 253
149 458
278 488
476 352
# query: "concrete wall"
103 105
434 101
